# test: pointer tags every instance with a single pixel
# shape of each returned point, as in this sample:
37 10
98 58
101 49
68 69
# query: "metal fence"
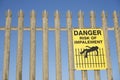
45 29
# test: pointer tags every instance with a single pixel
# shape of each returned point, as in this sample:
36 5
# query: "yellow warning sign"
89 49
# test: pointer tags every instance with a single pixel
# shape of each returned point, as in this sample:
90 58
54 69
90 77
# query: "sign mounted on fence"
89 49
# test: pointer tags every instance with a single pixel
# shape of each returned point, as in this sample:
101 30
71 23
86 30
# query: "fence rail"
50 29
33 28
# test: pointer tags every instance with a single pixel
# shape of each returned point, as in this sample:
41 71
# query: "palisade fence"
45 29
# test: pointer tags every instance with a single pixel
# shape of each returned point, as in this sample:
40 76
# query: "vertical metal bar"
81 25
117 35
70 45
104 26
32 45
93 25
81 19
7 46
45 46
20 46
58 51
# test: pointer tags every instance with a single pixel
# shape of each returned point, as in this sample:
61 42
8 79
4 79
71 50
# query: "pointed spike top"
9 13
69 15
44 14
103 14
20 10
92 12
20 14
114 14
33 13
56 13
80 13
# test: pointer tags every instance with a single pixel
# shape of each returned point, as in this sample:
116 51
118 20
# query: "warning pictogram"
89 49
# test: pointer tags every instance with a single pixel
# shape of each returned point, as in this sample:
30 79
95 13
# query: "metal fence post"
70 49
45 46
104 26
7 46
117 36
57 44
81 25
32 45
20 46
93 25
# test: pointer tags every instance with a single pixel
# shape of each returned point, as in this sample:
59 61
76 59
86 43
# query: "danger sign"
89 49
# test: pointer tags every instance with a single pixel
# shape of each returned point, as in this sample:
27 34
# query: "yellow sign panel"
89 49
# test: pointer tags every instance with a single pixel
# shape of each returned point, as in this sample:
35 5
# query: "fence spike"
57 12
92 19
44 14
103 14
114 13
33 13
80 19
8 13
80 14
20 14
92 14
69 19
57 15
115 18
69 14
57 19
